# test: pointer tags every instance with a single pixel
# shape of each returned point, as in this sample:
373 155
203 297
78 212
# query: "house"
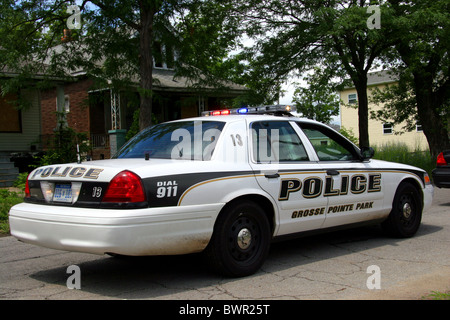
104 113
20 129
379 133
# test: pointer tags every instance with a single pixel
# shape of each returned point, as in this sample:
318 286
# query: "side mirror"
367 153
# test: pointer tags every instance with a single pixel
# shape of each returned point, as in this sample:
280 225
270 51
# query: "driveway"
353 264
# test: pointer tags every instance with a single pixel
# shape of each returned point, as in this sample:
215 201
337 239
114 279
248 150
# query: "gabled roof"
376 78
381 77
166 79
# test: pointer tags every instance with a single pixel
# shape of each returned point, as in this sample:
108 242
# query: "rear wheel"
406 214
241 239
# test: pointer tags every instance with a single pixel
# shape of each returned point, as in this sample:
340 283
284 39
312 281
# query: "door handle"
332 172
272 176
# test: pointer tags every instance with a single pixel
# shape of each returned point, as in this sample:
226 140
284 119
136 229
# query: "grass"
7 200
435 295
400 152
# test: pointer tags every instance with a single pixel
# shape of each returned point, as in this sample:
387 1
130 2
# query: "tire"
241 240
406 214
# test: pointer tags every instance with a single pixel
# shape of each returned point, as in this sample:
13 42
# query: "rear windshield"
184 140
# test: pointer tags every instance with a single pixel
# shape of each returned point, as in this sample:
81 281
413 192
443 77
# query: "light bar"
272 109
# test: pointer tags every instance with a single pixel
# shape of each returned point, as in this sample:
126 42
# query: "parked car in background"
441 174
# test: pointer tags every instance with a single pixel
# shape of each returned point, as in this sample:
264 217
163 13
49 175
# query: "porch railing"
96 141
99 140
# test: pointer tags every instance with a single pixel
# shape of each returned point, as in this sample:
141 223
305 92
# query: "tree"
117 42
319 101
420 60
291 37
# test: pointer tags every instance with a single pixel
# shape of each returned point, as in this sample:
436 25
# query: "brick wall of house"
78 116
48 109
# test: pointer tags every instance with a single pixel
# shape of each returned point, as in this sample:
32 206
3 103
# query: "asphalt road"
339 265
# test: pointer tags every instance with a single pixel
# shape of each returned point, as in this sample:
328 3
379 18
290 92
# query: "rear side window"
183 140
276 141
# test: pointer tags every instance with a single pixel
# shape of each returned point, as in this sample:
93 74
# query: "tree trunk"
433 126
146 66
363 110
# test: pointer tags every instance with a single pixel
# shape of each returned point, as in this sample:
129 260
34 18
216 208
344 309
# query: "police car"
227 183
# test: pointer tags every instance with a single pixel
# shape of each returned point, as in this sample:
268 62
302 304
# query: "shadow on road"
157 277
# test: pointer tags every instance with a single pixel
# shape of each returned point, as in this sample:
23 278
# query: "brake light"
27 188
441 160
125 187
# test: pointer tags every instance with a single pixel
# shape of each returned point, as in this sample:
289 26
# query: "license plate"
63 193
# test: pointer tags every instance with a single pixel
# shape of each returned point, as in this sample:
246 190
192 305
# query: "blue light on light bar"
242 110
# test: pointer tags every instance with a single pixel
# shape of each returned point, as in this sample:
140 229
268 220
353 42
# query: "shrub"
7 200
400 152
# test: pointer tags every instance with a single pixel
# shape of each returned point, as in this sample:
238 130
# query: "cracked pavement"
329 266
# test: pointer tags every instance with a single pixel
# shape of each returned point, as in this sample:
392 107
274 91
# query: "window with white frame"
387 128
352 98
66 104
418 127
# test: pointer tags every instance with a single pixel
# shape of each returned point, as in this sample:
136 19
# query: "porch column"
116 140
201 105
116 134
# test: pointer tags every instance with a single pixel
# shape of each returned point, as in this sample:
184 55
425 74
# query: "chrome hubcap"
244 238
407 210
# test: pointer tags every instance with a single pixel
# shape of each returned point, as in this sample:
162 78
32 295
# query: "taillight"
441 160
27 188
125 187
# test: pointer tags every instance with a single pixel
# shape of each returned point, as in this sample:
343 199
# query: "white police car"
226 184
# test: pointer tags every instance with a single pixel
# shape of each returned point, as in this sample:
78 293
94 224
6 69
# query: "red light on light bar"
221 112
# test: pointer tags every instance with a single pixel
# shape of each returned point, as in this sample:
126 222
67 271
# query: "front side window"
183 140
329 145
276 141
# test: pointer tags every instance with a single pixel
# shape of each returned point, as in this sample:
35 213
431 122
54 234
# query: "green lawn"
7 200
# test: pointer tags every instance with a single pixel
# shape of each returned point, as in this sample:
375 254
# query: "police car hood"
382 164
105 170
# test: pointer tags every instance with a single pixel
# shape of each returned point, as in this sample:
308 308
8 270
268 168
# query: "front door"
354 188
283 169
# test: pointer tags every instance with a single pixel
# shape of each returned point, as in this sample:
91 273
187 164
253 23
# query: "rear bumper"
441 177
150 231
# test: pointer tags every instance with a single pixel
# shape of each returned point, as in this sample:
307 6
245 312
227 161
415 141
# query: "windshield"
186 140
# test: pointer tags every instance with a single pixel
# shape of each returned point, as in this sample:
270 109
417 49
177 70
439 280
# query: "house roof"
380 77
166 79
163 79
377 78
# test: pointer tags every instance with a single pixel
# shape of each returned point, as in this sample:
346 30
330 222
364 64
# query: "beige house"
380 133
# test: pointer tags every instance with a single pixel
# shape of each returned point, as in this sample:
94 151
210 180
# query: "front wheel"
406 214
241 240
